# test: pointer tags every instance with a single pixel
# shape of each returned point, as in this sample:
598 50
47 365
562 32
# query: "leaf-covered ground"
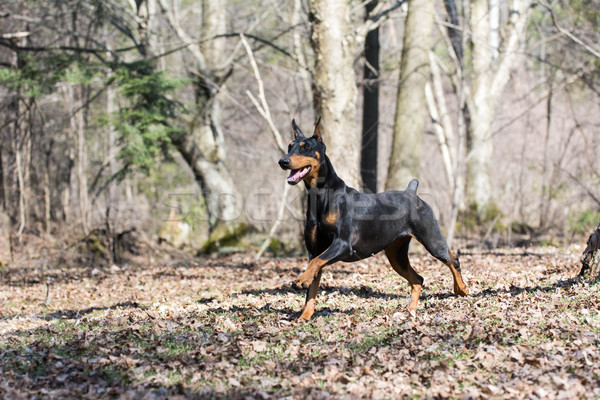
172 326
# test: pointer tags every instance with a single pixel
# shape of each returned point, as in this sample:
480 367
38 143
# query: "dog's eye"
305 147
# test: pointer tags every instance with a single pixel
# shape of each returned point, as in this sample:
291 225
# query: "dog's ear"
317 134
296 131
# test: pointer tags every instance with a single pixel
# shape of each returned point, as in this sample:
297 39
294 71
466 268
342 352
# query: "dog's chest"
318 235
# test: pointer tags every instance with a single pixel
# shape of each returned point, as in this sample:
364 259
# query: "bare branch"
376 17
568 34
189 43
275 226
566 82
585 187
439 132
96 52
263 108
516 33
16 35
380 15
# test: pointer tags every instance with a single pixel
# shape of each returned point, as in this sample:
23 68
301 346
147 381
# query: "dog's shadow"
366 292
515 290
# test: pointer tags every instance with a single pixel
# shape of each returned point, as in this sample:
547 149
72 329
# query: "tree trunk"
219 190
490 77
368 153
411 106
299 49
203 144
455 34
3 202
74 98
82 161
590 260
335 91
222 200
480 139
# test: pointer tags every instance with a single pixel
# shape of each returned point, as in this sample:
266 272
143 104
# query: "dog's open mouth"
296 175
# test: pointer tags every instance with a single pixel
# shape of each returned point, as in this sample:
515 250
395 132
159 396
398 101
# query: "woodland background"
120 114
125 123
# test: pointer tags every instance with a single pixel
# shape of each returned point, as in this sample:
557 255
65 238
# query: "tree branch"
503 72
587 189
376 18
263 109
191 45
96 52
568 34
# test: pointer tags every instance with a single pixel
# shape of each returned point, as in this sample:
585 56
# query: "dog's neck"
327 178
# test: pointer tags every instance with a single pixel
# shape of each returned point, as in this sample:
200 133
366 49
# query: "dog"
343 224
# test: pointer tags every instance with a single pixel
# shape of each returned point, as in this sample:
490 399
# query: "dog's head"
304 156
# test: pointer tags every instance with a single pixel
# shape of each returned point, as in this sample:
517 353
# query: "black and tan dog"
345 225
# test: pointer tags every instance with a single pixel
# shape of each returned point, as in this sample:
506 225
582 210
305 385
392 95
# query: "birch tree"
489 78
202 144
411 106
335 92
336 39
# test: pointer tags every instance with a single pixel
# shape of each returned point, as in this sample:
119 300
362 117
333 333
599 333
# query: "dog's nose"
284 162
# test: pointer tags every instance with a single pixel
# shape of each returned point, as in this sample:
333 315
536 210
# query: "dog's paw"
301 283
300 320
461 291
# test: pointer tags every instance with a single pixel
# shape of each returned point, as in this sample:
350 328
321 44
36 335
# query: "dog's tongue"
297 174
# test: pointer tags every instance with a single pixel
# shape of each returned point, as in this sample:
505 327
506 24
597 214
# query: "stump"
590 259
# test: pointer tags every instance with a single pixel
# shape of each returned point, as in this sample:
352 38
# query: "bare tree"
489 78
202 144
335 91
411 104
336 38
370 121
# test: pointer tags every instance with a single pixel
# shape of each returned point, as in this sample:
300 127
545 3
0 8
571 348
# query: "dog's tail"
413 185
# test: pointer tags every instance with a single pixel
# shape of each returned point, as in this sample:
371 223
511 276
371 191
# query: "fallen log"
590 259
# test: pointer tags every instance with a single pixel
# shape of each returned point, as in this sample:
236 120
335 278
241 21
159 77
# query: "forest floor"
173 326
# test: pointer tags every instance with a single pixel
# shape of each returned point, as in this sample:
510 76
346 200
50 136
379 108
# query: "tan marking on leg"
406 271
331 217
314 267
460 289
313 234
309 306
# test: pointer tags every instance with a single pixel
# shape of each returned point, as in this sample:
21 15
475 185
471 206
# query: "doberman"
343 224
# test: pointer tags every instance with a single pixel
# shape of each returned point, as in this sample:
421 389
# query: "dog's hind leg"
460 289
397 254
428 232
309 306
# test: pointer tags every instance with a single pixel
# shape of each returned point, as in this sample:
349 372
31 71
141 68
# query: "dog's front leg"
338 250
309 306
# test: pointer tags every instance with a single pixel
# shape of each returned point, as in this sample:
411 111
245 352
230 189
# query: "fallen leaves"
222 327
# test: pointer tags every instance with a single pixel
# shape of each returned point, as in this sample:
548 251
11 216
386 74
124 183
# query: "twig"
275 226
489 231
376 18
47 301
262 108
586 188
568 34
